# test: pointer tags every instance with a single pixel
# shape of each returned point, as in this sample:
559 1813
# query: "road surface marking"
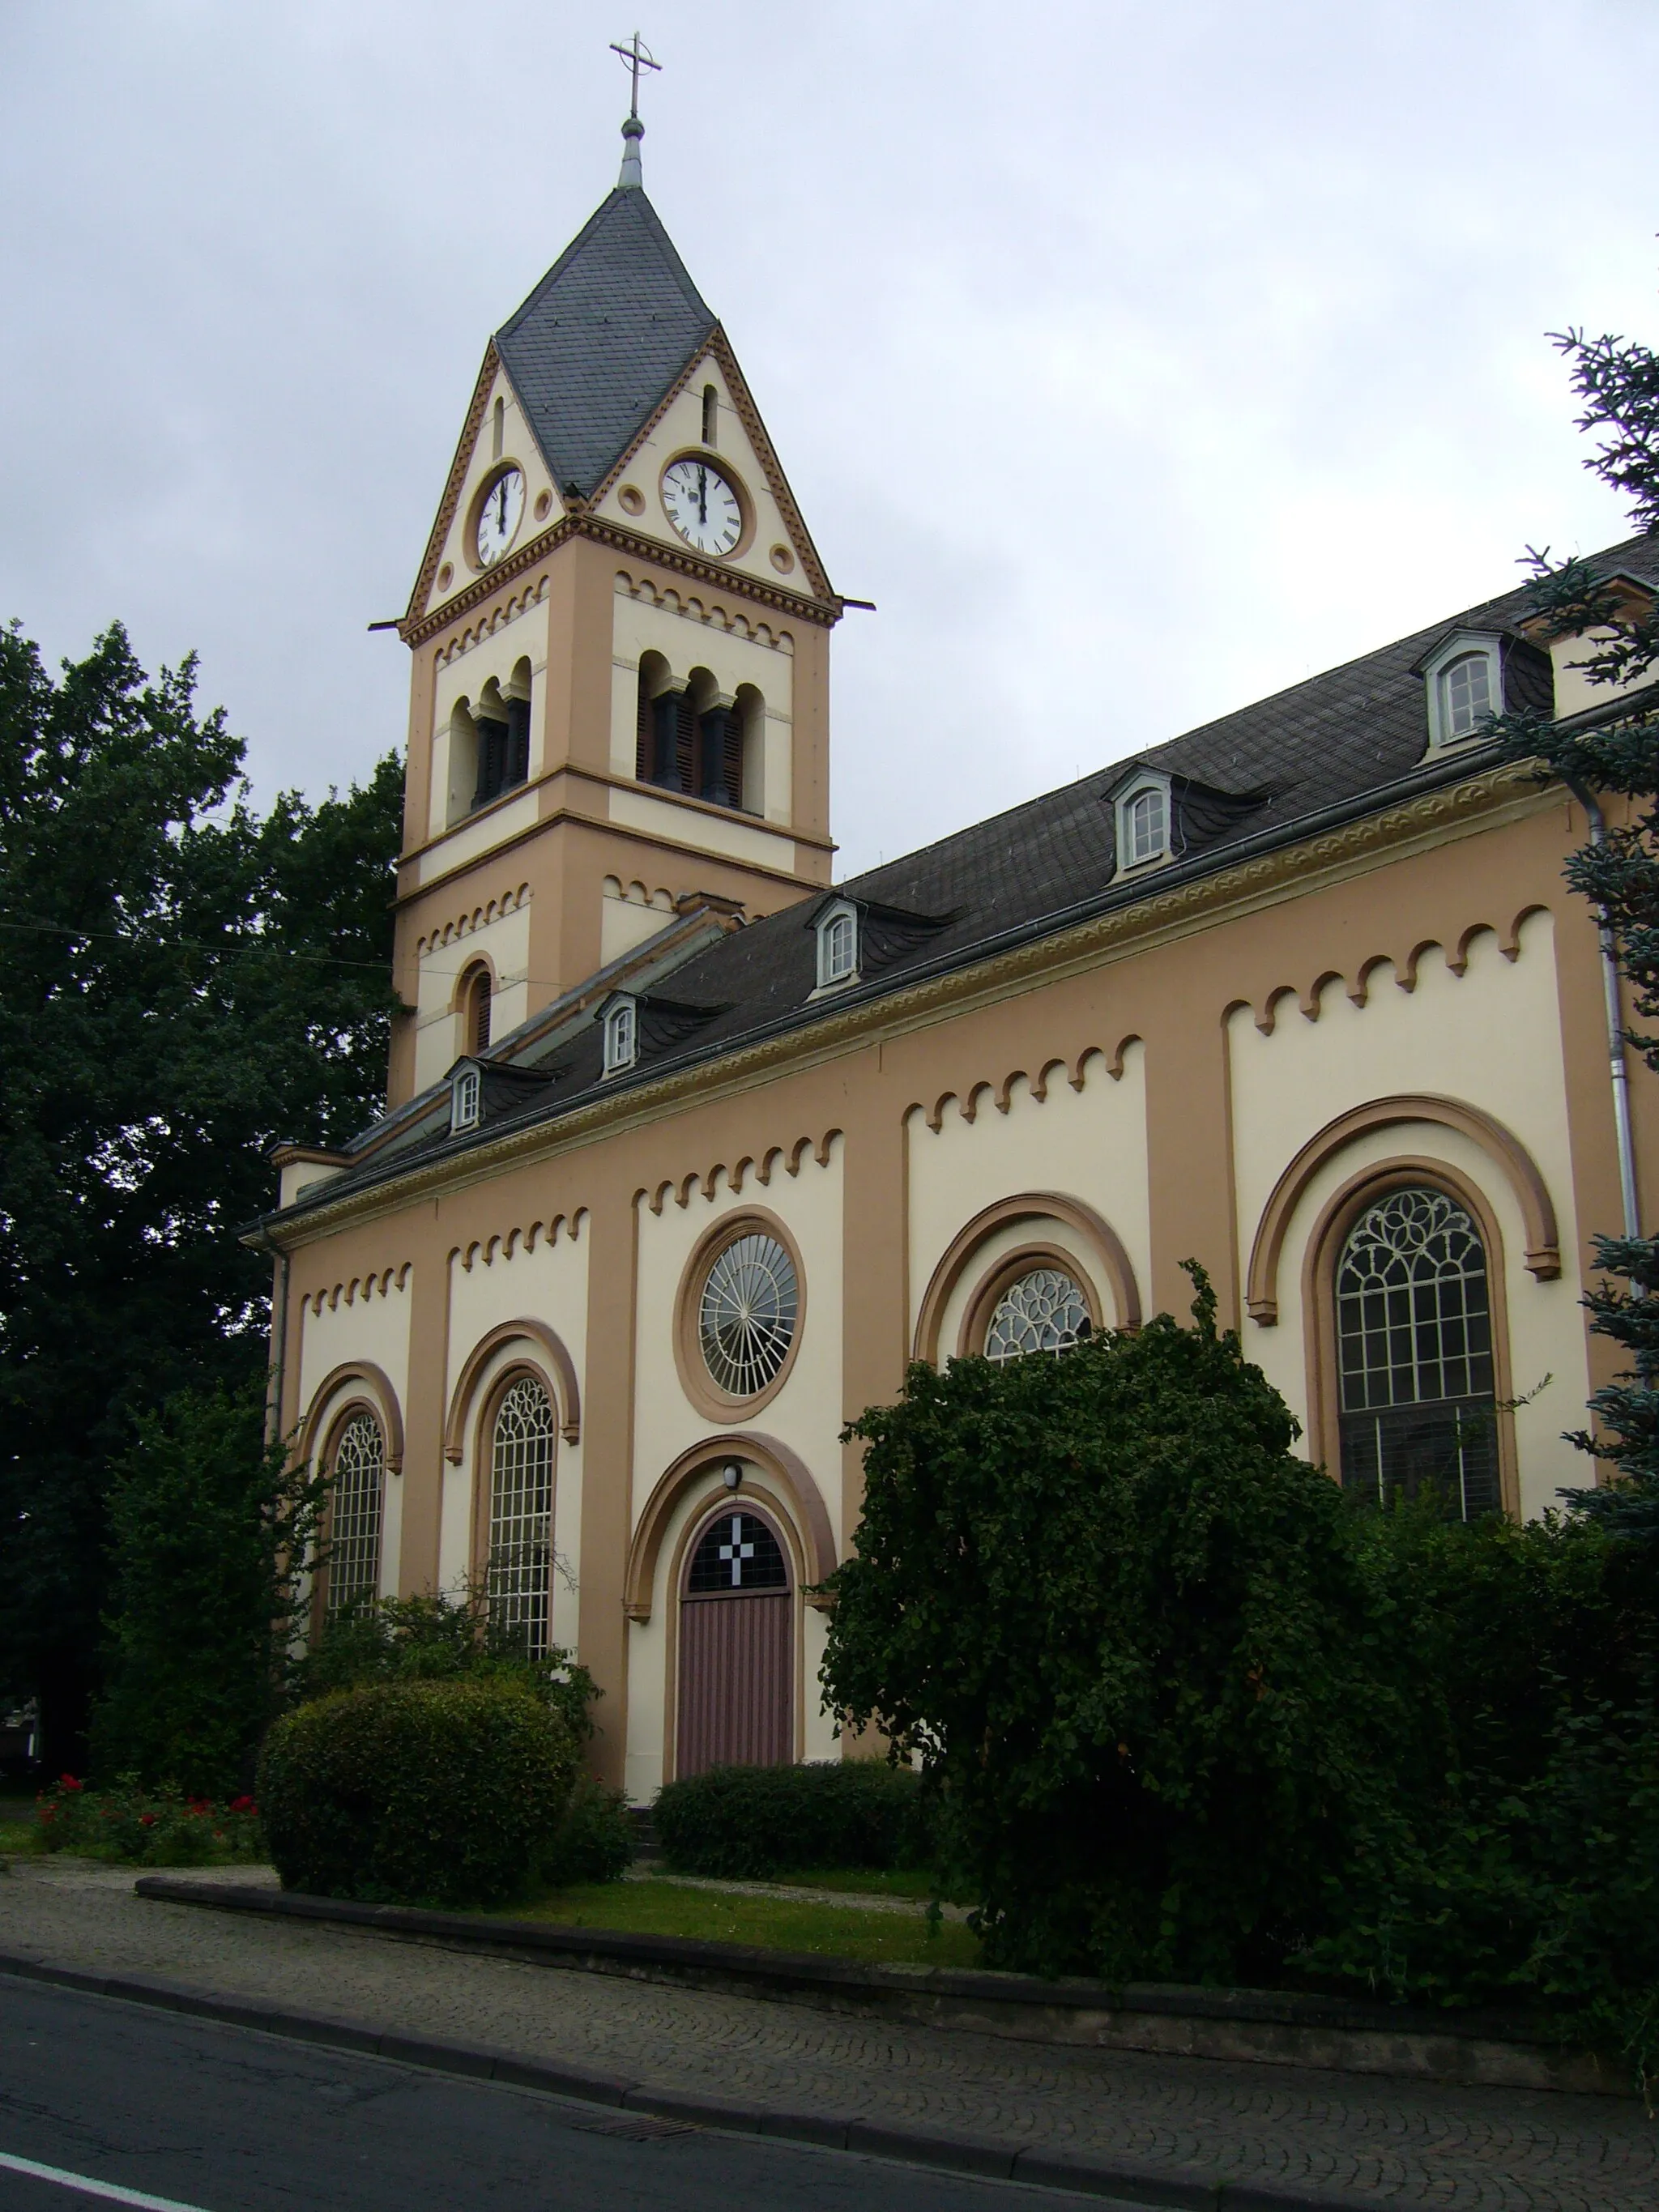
88 2188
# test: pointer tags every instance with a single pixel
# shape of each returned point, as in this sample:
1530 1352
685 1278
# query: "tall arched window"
1414 1354
353 1572
522 1516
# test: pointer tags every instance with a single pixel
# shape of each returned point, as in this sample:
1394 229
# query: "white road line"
88 2188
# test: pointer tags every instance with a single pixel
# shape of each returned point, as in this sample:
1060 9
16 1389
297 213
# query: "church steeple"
635 56
621 628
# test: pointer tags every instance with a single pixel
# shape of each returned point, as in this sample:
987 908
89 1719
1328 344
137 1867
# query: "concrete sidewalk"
1484 2149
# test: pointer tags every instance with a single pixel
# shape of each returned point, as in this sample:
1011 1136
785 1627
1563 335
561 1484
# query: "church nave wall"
1487 1038
354 1350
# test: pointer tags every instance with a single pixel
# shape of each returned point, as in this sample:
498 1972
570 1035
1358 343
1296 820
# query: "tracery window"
747 1313
737 1551
522 1516
1414 1354
1043 1311
354 1511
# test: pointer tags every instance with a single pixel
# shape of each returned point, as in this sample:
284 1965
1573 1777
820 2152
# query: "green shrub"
1128 1632
445 1793
438 1639
594 1841
748 1822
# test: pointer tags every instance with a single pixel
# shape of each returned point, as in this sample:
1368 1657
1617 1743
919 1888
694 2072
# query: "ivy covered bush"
447 1793
748 1822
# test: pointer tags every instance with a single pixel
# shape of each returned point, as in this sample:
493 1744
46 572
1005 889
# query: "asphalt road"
221 2119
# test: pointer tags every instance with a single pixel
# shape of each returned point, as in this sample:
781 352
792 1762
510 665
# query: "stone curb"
1279 2027
1126 2180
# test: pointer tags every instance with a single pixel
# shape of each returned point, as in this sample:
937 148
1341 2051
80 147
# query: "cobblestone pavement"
1472 2150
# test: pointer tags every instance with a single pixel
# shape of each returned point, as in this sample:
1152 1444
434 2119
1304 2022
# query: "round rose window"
747 1313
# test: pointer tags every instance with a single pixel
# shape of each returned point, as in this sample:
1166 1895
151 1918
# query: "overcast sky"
1137 360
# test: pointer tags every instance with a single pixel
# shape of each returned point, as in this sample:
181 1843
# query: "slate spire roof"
603 338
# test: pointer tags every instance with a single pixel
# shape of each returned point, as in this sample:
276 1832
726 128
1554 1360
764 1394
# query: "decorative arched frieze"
375 1389
1403 967
561 1372
790 1473
708 1180
380 1284
484 1251
1502 1147
492 619
1099 1237
716 614
967 1100
464 925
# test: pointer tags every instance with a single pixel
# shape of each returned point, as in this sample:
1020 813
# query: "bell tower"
620 631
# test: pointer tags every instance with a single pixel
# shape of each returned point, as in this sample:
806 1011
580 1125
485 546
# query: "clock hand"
702 496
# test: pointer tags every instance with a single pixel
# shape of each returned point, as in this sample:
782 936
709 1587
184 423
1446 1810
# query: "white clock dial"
702 505
500 515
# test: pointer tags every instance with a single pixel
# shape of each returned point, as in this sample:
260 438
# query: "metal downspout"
1598 833
278 1345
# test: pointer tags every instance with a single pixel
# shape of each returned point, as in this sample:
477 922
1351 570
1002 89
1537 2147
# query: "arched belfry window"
1414 1354
520 1556
355 1504
690 736
475 1010
1043 1311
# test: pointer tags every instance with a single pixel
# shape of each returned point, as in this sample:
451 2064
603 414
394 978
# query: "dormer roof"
597 346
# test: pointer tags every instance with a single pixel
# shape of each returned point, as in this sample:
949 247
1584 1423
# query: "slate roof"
1341 745
602 337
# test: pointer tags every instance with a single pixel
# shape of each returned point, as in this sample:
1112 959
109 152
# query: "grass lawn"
863 1882
774 1924
18 1826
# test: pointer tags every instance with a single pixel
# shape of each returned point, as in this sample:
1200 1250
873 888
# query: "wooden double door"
737 1650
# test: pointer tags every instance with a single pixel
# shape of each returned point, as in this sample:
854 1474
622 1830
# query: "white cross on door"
736 1551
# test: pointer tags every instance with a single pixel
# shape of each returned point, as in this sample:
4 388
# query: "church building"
689 1147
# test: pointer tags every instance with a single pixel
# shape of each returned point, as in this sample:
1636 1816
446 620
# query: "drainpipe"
277 1372
1598 833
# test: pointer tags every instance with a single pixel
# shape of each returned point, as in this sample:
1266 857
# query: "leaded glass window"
1044 1311
737 1551
1414 1326
354 1549
522 1516
747 1315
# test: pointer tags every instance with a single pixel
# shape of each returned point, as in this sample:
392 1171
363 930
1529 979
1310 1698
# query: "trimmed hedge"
420 1793
748 1822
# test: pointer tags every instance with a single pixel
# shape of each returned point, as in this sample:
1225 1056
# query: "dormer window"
838 946
1143 822
1465 699
1464 678
464 1098
621 1036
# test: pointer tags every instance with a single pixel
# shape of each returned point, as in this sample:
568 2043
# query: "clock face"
500 516
702 505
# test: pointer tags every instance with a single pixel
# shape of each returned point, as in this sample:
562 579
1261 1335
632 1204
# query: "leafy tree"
1617 381
210 1532
183 983
1124 1631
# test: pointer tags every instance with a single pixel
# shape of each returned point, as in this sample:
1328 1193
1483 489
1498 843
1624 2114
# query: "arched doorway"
736 1703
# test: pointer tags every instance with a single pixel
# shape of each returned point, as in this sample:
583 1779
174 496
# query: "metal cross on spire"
635 56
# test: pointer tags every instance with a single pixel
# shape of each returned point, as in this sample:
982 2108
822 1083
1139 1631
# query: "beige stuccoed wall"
547 1284
730 836
503 941
1088 1144
693 632
1489 1038
805 1415
374 1326
629 916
